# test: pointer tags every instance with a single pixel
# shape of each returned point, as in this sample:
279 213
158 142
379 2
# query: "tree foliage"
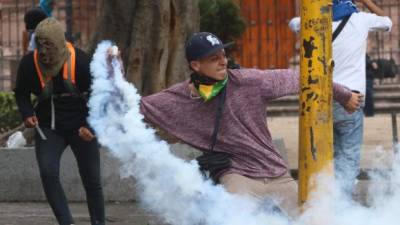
9 115
223 18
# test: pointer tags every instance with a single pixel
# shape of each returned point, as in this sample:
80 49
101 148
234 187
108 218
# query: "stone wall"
20 180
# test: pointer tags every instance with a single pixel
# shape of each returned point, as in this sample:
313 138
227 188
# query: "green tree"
9 116
223 18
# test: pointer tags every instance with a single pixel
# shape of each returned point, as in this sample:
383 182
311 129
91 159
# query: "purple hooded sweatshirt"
243 132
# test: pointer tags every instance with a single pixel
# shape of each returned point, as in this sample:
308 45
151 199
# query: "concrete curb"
20 180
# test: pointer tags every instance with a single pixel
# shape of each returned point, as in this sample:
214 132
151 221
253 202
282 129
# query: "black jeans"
48 155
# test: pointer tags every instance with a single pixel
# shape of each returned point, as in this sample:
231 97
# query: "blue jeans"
48 155
347 141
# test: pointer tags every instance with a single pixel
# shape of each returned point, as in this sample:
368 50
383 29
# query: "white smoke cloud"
176 191
328 205
168 186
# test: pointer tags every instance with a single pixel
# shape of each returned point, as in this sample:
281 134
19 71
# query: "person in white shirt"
349 50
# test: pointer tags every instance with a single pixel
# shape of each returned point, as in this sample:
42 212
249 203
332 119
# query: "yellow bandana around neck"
208 92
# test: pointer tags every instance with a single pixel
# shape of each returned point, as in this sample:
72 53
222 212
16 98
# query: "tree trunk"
151 35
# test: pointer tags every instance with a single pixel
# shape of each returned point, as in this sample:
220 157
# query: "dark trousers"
48 155
369 109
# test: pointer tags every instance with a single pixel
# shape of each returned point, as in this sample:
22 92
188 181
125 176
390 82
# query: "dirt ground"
377 144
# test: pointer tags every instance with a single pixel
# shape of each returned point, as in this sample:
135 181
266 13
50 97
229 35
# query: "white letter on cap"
212 40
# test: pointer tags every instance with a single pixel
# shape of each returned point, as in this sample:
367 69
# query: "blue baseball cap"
203 44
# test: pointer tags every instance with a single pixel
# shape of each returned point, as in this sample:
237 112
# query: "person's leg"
281 190
371 93
369 98
348 134
48 155
88 158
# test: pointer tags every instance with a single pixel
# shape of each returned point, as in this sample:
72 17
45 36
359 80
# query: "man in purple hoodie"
222 113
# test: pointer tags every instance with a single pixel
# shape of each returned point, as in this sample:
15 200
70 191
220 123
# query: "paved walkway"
39 213
377 135
378 141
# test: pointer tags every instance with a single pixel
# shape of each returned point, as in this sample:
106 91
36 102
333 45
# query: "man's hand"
31 121
85 134
114 52
374 65
354 102
295 24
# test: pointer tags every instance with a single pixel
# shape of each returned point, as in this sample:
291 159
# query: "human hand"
85 134
31 121
113 52
295 24
354 102
374 65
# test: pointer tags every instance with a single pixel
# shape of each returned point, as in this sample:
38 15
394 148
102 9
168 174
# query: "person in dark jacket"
371 66
58 75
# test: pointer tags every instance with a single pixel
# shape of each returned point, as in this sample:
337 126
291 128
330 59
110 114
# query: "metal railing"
77 15
79 18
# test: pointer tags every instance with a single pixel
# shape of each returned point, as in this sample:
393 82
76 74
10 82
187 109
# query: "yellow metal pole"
315 124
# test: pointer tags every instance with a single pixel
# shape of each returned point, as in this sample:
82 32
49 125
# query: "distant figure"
47 6
386 69
371 67
32 18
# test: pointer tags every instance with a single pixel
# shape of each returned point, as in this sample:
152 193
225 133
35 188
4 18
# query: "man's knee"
233 184
92 183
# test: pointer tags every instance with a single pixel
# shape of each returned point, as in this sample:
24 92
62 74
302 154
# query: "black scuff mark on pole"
312 81
313 149
309 47
323 59
325 9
